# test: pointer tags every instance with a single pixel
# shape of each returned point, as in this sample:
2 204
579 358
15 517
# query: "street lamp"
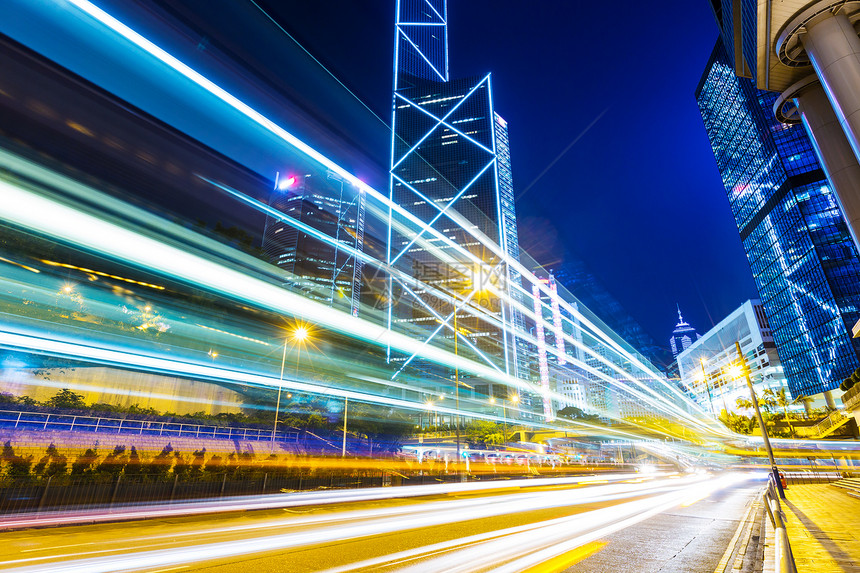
708 387
298 335
474 290
429 404
744 368
513 398
345 408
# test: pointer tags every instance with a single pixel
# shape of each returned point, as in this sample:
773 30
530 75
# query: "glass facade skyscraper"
321 271
798 246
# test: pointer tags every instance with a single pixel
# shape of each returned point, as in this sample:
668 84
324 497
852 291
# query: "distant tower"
683 336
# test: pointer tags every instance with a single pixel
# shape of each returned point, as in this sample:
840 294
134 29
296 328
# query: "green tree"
67 400
132 466
161 464
780 398
766 403
484 432
215 465
737 422
180 466
574 413
197 461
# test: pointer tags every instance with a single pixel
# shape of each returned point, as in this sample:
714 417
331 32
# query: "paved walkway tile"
823 525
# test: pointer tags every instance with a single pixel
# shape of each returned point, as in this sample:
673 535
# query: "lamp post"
514 399
429 404
278 402
746 373
504 418
300 334
457 374
345 408
708 387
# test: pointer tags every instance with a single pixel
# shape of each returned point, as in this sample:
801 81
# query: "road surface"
615 523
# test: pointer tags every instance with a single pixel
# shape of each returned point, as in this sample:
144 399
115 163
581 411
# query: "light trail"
519 550
201 81
301 499
535 543
103 18
177 361
31 210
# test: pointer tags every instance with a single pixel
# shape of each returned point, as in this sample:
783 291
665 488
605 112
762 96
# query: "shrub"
133 465
136 410
52 464
16 466
26 401
83 465
197 463
114 462
181 469
161 464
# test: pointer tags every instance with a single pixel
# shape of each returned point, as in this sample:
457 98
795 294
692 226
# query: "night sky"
637 196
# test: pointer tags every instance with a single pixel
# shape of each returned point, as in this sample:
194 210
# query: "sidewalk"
823 524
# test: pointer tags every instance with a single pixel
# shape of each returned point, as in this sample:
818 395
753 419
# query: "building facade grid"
796 242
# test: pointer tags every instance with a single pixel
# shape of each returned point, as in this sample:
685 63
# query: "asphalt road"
633 523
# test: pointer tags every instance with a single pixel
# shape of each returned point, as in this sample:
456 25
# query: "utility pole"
773 468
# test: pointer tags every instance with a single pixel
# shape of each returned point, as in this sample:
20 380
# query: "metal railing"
835 418
70 423
784 557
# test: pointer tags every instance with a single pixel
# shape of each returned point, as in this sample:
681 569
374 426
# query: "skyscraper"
682 337
321 270
450 169
808 50
804 262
